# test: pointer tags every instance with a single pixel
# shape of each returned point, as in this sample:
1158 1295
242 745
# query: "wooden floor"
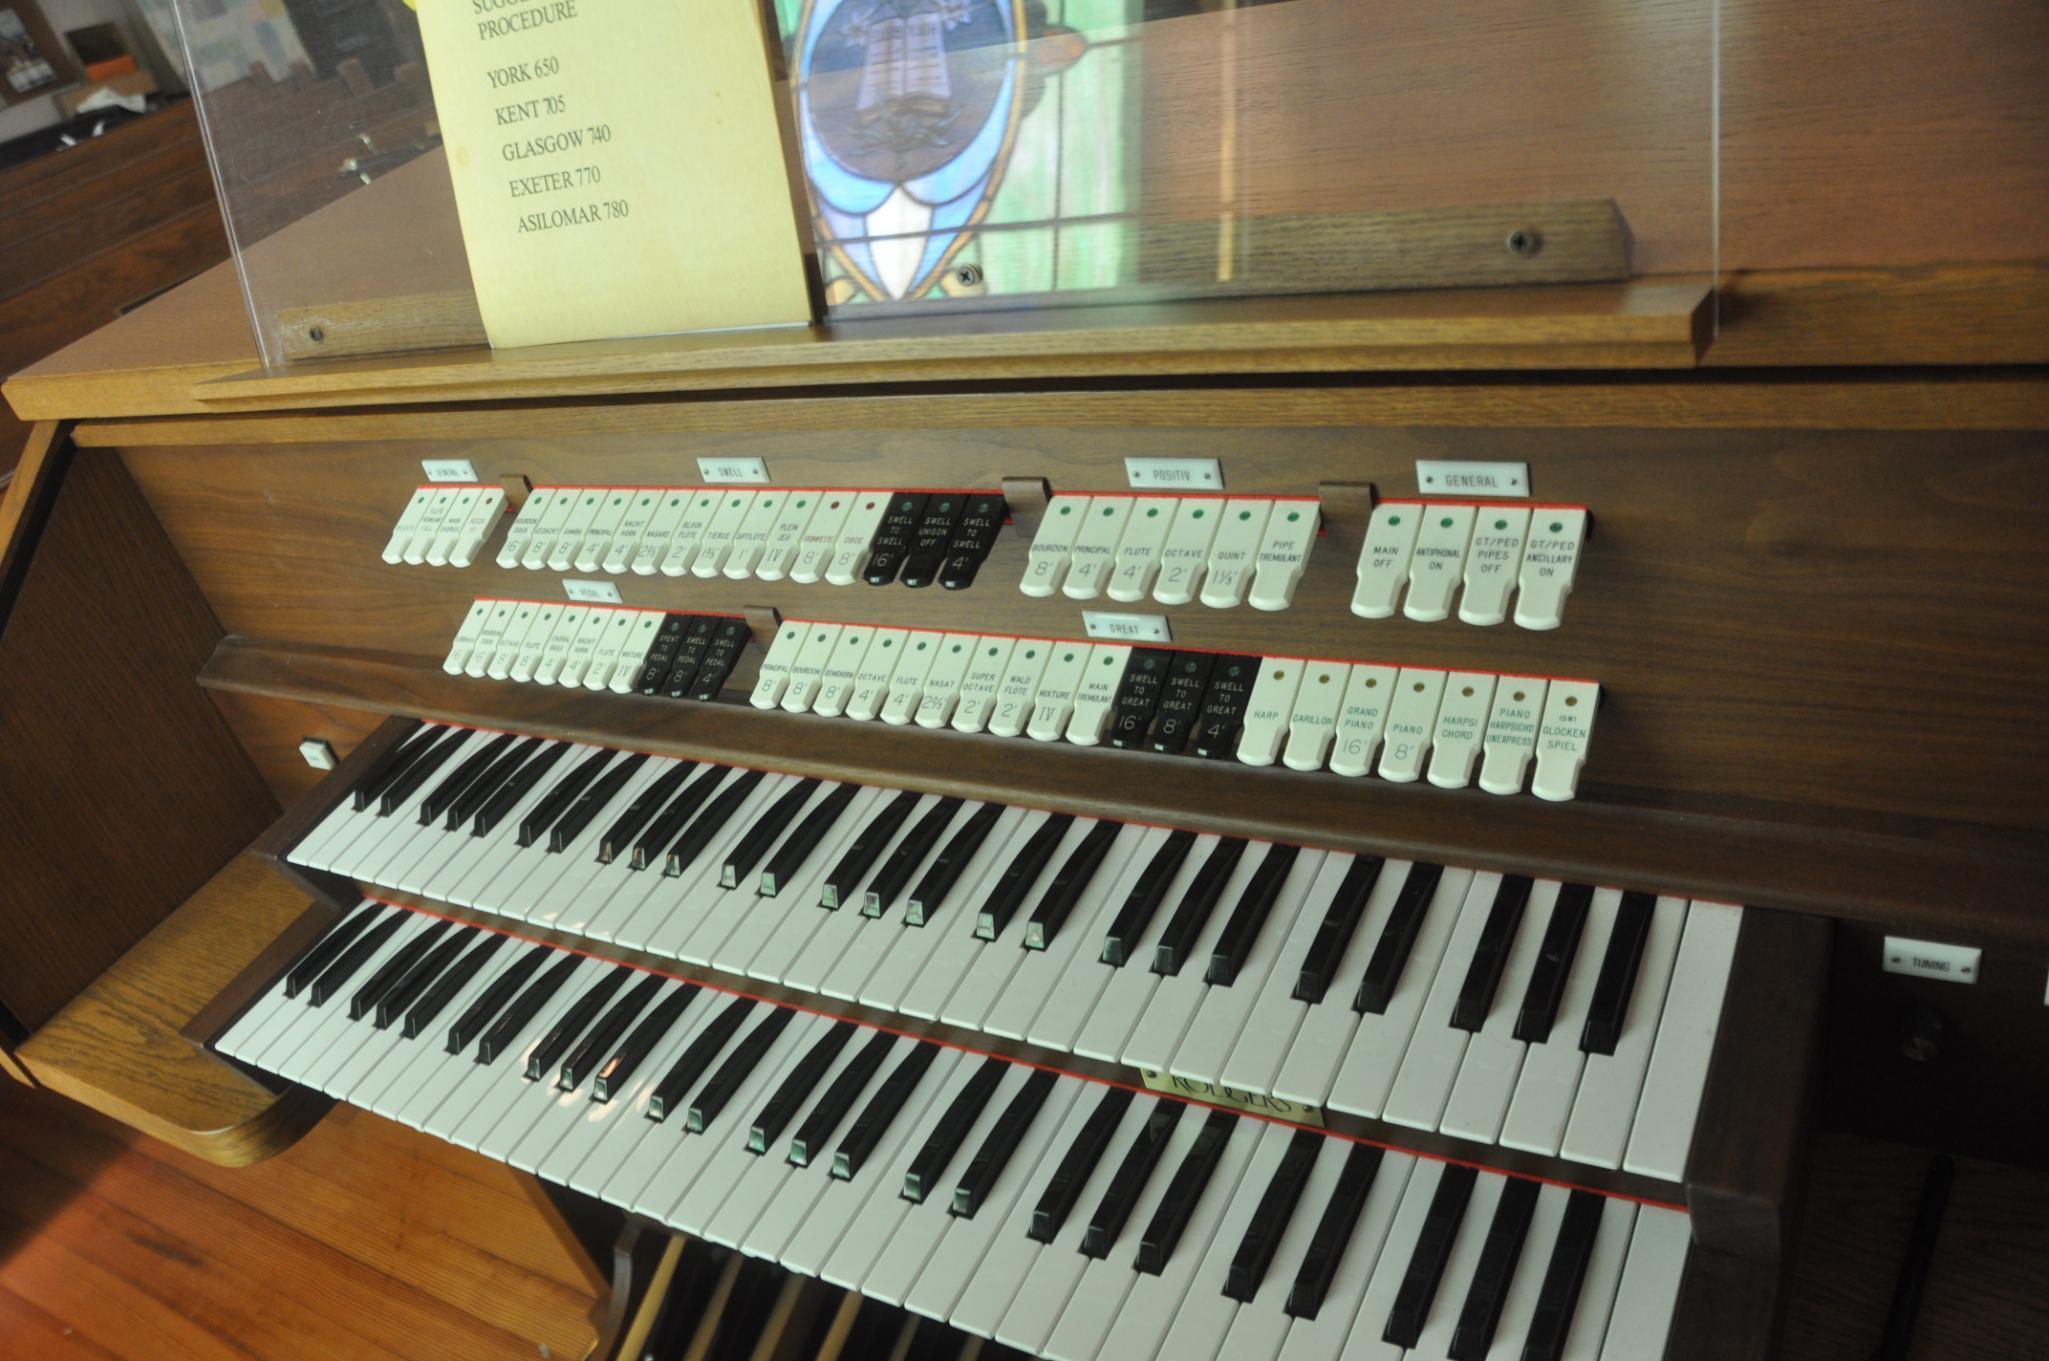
363 1241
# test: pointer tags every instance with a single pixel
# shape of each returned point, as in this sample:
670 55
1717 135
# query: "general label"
733 471
449 469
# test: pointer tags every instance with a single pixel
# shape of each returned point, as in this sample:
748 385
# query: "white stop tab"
857 538
978 687
807 668
907 684
1550 559
523 525
1492 562
836 685
1046 560
660 533
1438 563
1013 708
1094 553
1511 733
1268 709
408 523
597 540
751 538
563 553
466 636
787 534
1562 738
814 547
942 682
1461 727
647 626
618 632
443 543
710 558
1312 724
1053 703
872 677
1184 558
632 528
1290 534
1384 558
488 638
439 508
1411 719
537 635
774 676
1138 553
698 508
1362 719
1097 693
560 501
1234 553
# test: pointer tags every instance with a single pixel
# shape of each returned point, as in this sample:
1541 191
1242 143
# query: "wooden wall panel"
270 730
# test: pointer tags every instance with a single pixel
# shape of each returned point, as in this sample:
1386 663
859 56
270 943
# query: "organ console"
918 887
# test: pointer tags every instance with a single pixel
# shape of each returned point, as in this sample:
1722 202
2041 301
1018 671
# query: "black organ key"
336 975
1334 933
895 874
436 998
946 867
418 772
1617 979
1180 701
1333 1232
388 766
487 785
690 652
1551 1321
972 1191
1163 1234
690 1065
593 801
1426 1265
524 1008
669 822
620 1068
1127 1183
825 1117
618 838
1473 1336
388 974
980 522
866 848
1397 939
1138 695
500 805
1072 1172
712 1098
1193 911
1070 882
769 824
1554 964
596 1046
930 539
708 823
781 1108
1490 954
555 1043
875 1118
401 996
728 640
661 653
892 541
481 1013
459 780
323 951
534 826
791 855
1249 917
1276 1207
1223 707
929 1163
1019 875
1144 900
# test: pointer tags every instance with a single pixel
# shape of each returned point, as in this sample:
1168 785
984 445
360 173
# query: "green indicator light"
1557 527
675 500
1065 509
1394 519
1109 510
1445 522
1067 656
1501 524
992 651
821 637
1030 653
956 647
1244 514
1151 512
1199 514
802 502
921 647
1294 515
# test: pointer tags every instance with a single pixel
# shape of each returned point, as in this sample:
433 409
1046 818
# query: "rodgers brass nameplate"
1231 1098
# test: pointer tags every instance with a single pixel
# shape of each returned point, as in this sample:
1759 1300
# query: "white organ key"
1641 1323
526 617
554 514
1438 562
1662 1134
1129 989
1549 563
642 503
472 1116
768 1169
1184 558
717 541
623 1141
1053 701
1093 555
1261 1324
1511 733
646 625
856 538
691 924
1430 1062
814 548
1434 1344
1327 1027
313 1047
729 1158
942 683
992 963
408 524
562 554
918 977
1312 722
807 668
1494 1056
563 1108
584 646
466 637
1029 658
1382 1038
1605 1106
1234 552
1252 1057
1096 693
774 677
1322 1338
1563 736
1492 562
1138 552
660 535
1366 1341
672 1192
1226 1011
1043 971
1461 725
659 1167
1384 558
1196 1330
426 1066
1597 1292
597 1120
520 536
907 682
489 637
1290 534
568 903
699 506
429 526
1362 719
618 632
597 539
978 688
1411 719
750 540
1047 560
1268 709
1544 1089
786 535
1519 1305
788 937
557 651
836 682
450 528
872 677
